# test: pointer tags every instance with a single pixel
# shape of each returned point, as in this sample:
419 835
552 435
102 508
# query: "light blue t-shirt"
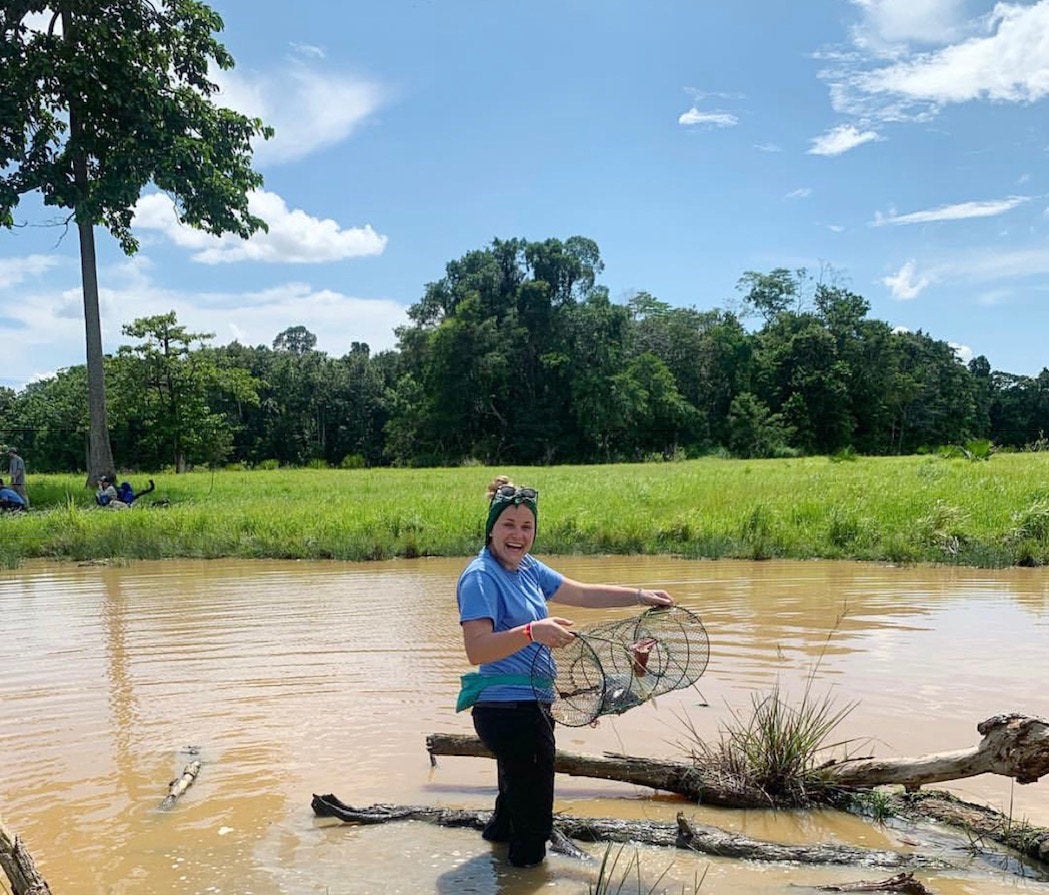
509 599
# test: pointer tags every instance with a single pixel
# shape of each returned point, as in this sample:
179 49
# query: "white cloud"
800 193
293 237
991 265
308 50
841 139
1003 57
16 270
335 318
51 325
993 297
957 212
767 147
906 21
718 119
963 352
308 109
905 284
1010 64
994 267
42 22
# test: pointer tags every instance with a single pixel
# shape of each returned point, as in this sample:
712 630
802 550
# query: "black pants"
521 735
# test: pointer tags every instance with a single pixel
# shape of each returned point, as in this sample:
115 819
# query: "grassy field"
907 509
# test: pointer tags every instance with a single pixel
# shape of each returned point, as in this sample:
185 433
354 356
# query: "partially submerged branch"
901 882
1013 745
979 821
695 783
19 867
179 785
683 834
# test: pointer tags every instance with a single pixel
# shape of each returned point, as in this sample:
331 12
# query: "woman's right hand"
552 631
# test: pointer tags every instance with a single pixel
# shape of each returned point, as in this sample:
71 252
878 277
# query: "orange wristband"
528 631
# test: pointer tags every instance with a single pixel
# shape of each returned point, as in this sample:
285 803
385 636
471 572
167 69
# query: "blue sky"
897 147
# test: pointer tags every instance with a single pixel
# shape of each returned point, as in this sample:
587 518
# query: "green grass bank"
903 509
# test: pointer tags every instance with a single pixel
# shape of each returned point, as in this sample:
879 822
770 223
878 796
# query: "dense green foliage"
517 355
898 509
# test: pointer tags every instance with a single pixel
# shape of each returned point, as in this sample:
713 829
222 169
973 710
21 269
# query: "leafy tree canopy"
295 340
122 87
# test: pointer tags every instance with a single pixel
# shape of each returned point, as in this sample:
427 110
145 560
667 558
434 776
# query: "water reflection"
294 678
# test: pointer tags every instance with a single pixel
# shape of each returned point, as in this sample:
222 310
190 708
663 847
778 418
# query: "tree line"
517 355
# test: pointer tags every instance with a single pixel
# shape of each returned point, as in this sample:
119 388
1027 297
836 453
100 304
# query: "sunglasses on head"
509 492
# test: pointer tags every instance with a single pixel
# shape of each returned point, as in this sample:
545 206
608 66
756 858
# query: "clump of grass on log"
778 748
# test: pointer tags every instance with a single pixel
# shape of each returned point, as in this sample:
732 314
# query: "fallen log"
1013 745
330 805
978 821
901 882
694 782
179 785
683 834
19 867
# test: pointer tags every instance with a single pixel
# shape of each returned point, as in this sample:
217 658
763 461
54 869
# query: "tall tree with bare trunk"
101 98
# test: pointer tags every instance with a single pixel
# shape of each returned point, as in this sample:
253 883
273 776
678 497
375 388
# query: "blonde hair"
497 483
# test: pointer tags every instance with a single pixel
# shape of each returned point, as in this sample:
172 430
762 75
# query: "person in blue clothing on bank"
503 595
10 500
118 497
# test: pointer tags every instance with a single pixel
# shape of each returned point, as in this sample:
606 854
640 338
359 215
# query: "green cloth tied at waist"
473 683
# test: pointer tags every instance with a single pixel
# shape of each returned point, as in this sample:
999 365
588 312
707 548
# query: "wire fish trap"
616 666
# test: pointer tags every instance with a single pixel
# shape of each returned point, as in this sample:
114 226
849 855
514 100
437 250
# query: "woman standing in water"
502 598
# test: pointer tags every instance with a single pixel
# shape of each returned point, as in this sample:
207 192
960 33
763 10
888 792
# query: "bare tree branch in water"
901 882
1013 745
180 784
19 867
683 834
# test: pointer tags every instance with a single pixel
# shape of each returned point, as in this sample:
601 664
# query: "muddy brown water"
289 678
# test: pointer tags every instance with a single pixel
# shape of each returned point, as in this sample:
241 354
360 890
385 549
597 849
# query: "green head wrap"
509 496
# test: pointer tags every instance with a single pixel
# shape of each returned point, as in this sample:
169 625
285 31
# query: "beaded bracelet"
528 631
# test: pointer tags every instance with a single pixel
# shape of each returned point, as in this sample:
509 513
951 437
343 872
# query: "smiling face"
512 536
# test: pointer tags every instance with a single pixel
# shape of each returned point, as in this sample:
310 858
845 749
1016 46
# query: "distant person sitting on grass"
106 495
128 495
10 500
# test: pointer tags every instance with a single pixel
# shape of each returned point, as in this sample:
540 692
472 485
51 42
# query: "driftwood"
329 805
683 834
978 821
180 784
901 882
694 782
1013 745
19 867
